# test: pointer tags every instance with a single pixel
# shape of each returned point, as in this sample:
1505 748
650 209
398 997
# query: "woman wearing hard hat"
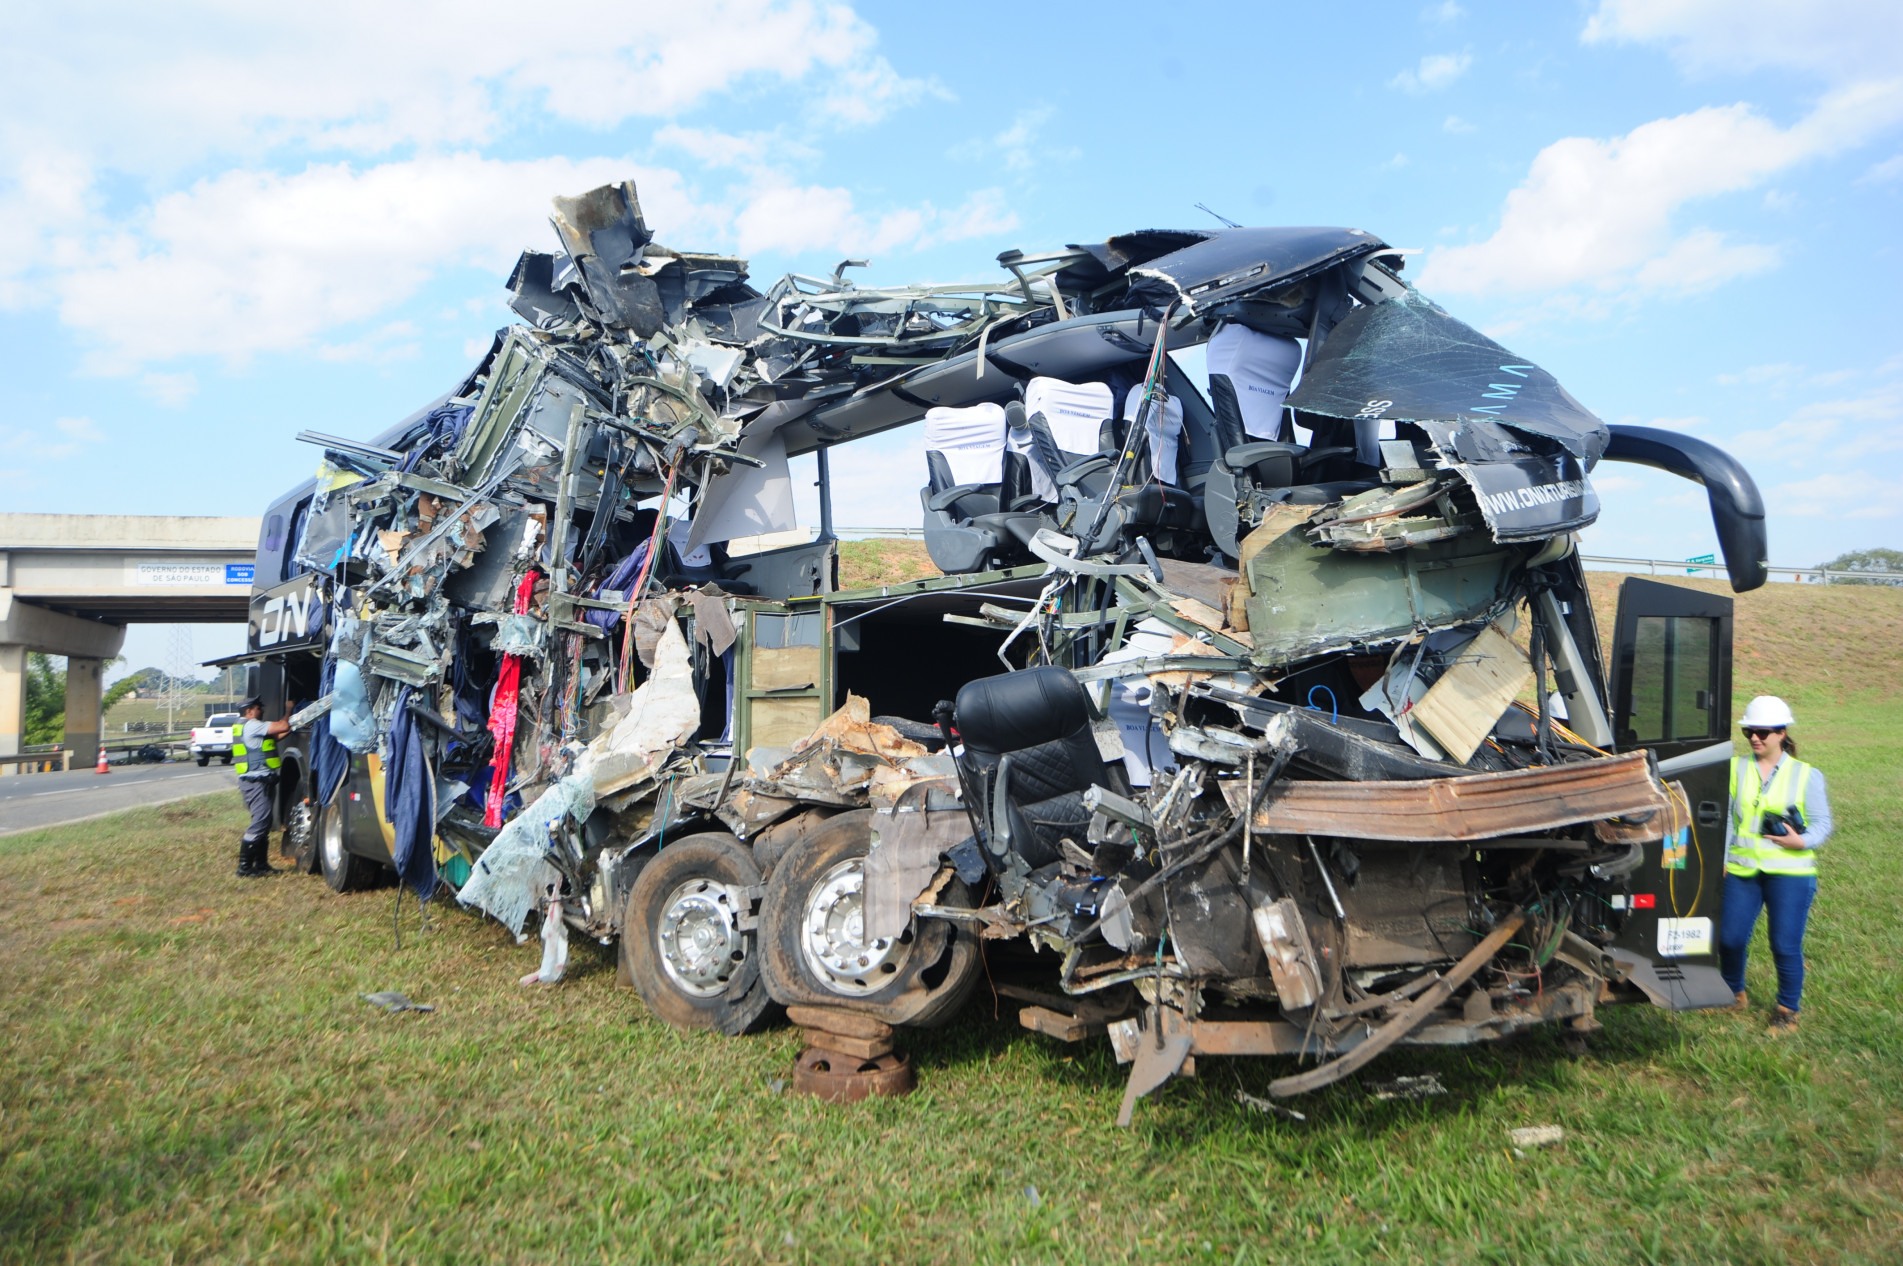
1780 817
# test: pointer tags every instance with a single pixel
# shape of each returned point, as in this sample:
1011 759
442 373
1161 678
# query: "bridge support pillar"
82 709
88 644
12 703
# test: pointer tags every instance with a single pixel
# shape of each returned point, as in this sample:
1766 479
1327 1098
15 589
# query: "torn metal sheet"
1466 810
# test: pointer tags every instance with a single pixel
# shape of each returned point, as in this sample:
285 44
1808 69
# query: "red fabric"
502 713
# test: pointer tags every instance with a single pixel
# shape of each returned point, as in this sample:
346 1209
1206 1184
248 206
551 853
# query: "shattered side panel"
1306 599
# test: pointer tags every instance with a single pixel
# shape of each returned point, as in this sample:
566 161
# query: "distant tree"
1890 560
45 700
145 679
115 692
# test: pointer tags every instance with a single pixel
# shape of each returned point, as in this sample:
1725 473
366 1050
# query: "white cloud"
173 391
392 342
867 90
1777 372
78 430
64 438
983 214
48 191
1454 123
341 163
1600 213
1445 11
1884 172
746 150
796 218
1607 484
1848 431
1836 39
1702 260
1797 436
1436 71
250 262
1019 147
1854 494
364 77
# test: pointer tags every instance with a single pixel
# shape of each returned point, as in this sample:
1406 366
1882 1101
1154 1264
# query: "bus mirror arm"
1737 511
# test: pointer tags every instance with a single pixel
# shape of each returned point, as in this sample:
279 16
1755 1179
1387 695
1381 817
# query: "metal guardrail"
48 762
1800 575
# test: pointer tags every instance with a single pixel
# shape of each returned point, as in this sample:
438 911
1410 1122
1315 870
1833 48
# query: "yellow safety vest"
1751 851
239 763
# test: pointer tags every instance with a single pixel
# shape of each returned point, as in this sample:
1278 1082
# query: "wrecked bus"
1261 698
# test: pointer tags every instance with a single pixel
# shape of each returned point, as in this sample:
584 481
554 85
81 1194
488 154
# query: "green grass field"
189 1075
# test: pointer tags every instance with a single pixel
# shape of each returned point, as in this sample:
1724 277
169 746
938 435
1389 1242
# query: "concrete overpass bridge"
70 583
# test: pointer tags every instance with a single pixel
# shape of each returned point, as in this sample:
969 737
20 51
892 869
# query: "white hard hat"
1768 712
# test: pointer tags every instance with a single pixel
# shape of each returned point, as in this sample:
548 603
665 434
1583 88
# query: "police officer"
254 752
1780 817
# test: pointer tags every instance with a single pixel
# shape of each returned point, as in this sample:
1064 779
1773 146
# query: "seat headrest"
1017 710
1260 368
1072 410
1165 428
971 439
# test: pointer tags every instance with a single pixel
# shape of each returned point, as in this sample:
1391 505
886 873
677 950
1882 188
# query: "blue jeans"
1786 902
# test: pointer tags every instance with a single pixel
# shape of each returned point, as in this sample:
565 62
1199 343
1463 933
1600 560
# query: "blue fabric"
445 425
351 720
471 697
1786 902
408 801
620 579
330 760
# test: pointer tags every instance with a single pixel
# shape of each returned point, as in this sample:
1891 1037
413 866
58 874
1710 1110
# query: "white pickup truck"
214 737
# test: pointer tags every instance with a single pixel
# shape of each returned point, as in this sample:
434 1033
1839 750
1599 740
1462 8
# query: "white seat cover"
1074 411
1261 368
972 440
1165 428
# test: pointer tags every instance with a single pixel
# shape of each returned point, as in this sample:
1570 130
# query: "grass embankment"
189 1074
884 561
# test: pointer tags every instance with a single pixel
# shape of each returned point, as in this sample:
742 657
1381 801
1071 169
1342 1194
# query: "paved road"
32 801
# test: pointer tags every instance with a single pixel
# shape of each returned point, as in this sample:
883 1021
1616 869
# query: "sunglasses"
1749 732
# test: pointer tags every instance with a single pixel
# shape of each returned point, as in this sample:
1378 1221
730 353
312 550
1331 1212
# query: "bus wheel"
814 946
300 836
343 870
688 936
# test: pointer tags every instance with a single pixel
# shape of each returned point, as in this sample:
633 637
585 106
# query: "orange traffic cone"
102 767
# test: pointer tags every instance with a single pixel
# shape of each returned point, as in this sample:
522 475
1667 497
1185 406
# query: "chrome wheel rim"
833 938
332 840
297 831
699 938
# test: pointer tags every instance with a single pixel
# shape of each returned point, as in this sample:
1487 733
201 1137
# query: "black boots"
252 863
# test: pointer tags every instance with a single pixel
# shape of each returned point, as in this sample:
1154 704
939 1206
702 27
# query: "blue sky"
222 223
